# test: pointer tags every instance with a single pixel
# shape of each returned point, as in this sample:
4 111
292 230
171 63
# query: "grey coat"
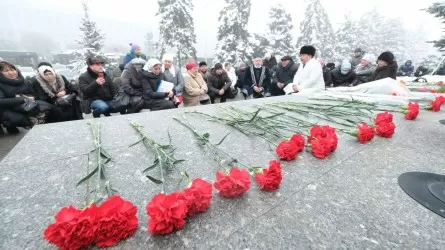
363 73
178 80
132 81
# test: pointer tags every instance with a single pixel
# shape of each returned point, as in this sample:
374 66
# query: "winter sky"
129 21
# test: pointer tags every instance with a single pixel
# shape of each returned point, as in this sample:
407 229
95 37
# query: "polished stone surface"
350 200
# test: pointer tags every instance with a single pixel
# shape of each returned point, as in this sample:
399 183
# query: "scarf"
262 76
19 83
171 70
51 89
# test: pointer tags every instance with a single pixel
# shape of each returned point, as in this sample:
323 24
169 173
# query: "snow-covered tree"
91 40
260 44
438 10
349 37
233 38
372 25
279 32
394 40
177 29
316 30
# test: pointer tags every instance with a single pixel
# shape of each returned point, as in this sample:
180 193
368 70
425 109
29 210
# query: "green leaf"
155 163
135 143
154 180
105 160
104 153
165 146
178 161
88 176
219 143
206 135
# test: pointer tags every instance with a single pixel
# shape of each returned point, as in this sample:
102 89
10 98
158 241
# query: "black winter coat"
406 70
384 72
150 86
43 96
93 91
10 88
132 81
217 82
338 79
327 77
240 78
285 74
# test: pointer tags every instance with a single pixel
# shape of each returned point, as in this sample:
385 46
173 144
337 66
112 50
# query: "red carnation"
198 196
330 133
234 184
386 129
365 133
412 111
298 140
440 99
434 105
383 117
287 150
325 132
317 132
116 220
321 148
167 213
73 229
270 178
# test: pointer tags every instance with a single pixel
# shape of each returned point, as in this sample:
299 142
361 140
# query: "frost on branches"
438 10
233 38
91 41
316 30
349 37
177 29
278 39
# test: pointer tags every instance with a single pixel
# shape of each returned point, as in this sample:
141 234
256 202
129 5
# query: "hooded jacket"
407 69
132 81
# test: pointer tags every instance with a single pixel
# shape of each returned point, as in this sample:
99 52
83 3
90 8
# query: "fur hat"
94 59
257 55
308 50
218 66
387 57
202 64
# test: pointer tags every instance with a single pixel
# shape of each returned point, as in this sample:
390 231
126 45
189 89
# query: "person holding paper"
195 86
309 74
173 74
156 100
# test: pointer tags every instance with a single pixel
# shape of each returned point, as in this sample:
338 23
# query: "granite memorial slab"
349 200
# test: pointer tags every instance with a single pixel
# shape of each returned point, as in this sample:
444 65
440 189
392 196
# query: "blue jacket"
130 56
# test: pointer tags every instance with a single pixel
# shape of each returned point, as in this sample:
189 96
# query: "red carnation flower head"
412 111
383 117
298 140
74 228
332 135
197 196
434 105
233 184
365 133
317 132
287 150
166 213
321 148
116 221
270 178
440 99
386 129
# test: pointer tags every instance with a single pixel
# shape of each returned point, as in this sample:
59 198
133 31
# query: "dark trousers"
159 104
213 96
275 91
11 118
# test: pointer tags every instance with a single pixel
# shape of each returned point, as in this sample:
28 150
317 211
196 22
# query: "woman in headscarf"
132 80
195 86
155 97
135 52
173 75
58 91
15 92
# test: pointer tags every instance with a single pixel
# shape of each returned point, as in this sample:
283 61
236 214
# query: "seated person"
256 79
344 75
218 83
283 76
195 86
132 80
421 71
51 88
173 74
407 69
364 70
154 99
326 73
310 73
386 67
97 87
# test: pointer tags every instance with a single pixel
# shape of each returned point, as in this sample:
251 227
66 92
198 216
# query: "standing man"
218 83
283 76
309 74
256 79
97 87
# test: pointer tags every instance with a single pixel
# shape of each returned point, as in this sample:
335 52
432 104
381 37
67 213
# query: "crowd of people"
158 85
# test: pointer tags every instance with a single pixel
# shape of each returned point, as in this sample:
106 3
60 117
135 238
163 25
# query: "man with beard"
257 79
218 83
283 76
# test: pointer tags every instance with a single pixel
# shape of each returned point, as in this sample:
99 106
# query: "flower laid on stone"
197 196
166 213
287 150
383 117
298 140
411 111
232 184
270 178
364 133
323 141
436 104
386 129
104 226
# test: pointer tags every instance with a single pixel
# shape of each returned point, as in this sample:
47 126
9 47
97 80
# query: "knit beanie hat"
191 65
218 66
387 57
134 46
345 67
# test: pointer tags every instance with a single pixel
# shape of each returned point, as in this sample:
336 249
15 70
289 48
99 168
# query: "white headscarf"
168 57
370 58
44 68
151 63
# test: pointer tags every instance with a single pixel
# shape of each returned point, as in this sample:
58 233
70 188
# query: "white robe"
309 76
